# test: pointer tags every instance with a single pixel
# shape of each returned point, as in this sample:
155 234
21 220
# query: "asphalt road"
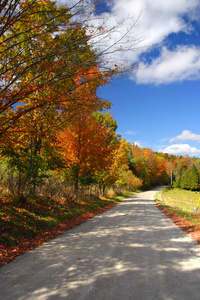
132 251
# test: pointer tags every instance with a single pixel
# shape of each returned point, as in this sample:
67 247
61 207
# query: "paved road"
132 251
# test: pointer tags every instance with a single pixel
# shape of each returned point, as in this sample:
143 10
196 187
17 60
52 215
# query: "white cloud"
130 132
178 65
186 135
181 149
158 20
137 143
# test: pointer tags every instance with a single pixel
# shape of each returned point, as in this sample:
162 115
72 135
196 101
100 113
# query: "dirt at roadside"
193 231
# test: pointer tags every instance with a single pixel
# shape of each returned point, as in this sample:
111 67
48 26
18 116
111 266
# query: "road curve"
132 251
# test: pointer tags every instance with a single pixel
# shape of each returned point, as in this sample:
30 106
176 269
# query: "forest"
58 139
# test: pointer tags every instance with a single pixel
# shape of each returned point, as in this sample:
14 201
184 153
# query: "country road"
133 251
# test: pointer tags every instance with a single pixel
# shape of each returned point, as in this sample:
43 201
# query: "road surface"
132 251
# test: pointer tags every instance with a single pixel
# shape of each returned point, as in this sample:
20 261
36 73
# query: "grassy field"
19 222
181 202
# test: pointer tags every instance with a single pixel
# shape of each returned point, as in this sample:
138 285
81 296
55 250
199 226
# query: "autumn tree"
43 48
50 69
183 170
85 148
129 180
137 164
11 12
110 175
148 166
46 53
119 173
46 69
31 144
30 153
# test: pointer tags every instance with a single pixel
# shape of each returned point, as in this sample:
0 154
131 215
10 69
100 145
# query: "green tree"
181 164
190 179
107 120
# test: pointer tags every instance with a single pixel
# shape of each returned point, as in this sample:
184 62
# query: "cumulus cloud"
178 65
186 135
158 19
181 149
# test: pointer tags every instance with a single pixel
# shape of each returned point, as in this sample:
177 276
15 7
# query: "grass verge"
24 227
180 206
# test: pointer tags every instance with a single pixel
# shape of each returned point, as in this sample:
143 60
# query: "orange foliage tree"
30 146
43 48
43 54
149 166
119 174
85 148
49 75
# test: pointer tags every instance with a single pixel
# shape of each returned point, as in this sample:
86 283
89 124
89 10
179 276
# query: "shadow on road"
132 251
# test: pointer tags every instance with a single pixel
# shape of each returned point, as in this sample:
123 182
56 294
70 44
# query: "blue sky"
158 105
151 116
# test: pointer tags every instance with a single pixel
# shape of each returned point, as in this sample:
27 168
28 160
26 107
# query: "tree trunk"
104 188
76 180
76 189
